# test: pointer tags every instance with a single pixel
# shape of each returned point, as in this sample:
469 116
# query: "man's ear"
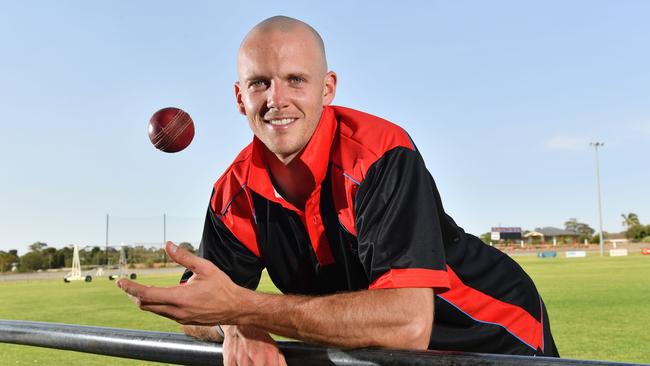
240 103
329 88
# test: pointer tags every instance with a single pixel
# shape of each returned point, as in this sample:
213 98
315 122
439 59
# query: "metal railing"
177 348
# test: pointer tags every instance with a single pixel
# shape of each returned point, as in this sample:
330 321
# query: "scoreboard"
506 233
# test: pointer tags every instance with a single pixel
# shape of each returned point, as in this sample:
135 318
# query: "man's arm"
392 318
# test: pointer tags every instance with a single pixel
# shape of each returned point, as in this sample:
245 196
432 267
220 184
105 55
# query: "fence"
179 349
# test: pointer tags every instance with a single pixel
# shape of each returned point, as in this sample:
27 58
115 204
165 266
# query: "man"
339 208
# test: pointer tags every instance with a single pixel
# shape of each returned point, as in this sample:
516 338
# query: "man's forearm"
392 318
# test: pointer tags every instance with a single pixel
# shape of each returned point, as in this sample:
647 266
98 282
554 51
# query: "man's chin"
285 155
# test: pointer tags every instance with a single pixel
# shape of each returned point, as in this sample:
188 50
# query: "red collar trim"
315 155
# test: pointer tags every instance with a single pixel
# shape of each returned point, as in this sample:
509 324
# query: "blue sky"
501 97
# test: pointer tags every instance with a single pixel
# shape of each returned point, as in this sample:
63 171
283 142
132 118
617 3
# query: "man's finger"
188 260
147 294
130 287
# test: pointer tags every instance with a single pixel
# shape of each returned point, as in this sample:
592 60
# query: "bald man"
338 206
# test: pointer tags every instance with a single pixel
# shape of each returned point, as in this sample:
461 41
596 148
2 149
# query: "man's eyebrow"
298 74
253 77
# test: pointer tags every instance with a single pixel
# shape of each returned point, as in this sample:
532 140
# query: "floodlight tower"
596 145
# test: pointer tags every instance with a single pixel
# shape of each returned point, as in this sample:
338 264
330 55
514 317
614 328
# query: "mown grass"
98 303
599 309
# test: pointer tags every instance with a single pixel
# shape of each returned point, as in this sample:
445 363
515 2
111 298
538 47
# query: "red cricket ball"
171 129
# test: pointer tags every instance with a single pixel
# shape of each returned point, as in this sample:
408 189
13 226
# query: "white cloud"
565 143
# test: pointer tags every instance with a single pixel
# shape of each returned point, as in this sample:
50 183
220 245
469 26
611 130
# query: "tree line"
634 230
42 257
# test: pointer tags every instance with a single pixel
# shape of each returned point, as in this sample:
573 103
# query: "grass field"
599 309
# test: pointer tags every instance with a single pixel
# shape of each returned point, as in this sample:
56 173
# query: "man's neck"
293 180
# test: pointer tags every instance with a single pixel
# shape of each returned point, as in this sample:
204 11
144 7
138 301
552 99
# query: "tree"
583 230
638 232
31 261
635 230
630 220
7 259
59 259
48 257
37 247
571 225
97 256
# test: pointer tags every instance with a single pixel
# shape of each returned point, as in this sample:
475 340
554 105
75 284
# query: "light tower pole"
106 248
596 145
164 239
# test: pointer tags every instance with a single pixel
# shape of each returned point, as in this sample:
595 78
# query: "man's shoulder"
367 131
365 138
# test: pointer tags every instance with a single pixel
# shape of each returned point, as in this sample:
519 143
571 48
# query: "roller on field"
122 268
75 274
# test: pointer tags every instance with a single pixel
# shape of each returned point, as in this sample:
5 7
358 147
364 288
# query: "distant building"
616 238
506 234
551 234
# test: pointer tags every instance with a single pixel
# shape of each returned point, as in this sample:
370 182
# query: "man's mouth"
280 121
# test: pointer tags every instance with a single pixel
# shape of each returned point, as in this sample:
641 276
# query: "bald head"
283 84
283 27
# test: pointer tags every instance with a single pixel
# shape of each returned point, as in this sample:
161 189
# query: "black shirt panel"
219 246
398 216
455 331
492 272
289 255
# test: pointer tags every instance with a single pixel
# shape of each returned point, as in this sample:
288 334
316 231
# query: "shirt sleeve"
398 224
221 247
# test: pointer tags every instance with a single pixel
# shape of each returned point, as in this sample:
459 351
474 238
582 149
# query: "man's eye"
257 84
296 80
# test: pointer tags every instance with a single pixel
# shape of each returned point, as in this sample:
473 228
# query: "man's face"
282 89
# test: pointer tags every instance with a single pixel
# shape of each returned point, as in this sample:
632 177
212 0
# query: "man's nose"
277 96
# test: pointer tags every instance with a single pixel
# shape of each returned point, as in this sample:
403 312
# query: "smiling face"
283 86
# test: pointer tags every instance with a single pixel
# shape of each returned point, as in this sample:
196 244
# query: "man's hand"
209 298
248 345
243 345
203 332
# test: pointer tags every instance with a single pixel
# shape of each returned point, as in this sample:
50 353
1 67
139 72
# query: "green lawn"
599 309
98 303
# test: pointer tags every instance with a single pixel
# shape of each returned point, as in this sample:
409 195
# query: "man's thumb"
186 259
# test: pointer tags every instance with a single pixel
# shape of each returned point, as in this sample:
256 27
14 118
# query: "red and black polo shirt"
375 221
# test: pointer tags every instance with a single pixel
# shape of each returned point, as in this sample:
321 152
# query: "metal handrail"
178 348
